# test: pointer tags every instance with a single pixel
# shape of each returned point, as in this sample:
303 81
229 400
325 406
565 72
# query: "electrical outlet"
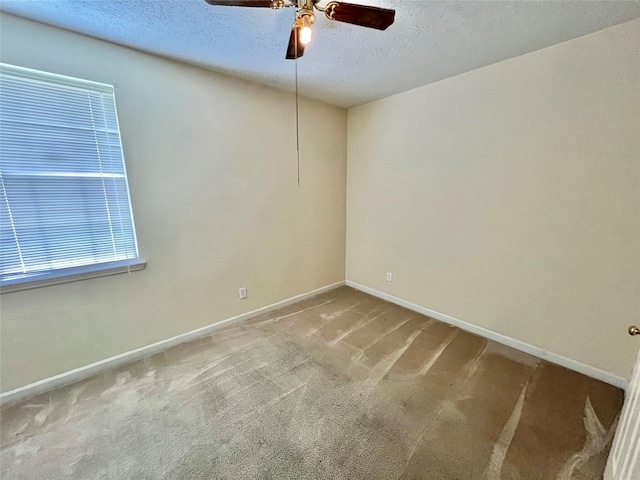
389 277
243 292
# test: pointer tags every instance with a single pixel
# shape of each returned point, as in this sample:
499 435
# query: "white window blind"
64 196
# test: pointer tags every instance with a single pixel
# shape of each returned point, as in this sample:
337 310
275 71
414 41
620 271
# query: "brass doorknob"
633 330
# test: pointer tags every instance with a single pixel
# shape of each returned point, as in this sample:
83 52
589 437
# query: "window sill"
72 275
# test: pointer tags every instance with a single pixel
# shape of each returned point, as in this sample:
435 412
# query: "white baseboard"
588 370
81 373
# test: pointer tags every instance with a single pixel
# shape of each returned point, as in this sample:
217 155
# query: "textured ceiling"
345 65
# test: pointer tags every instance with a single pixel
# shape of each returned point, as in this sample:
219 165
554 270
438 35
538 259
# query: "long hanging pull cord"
297 116
297 120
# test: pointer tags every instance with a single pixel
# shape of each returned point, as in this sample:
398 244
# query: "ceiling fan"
362 15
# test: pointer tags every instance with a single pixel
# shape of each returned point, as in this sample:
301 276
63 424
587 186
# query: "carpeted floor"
340 386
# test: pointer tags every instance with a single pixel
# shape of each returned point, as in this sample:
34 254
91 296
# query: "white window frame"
75 273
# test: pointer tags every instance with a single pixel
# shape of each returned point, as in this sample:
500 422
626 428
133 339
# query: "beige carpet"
341 386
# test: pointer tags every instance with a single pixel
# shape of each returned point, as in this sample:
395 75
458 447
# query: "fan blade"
291 49
241 3
372 17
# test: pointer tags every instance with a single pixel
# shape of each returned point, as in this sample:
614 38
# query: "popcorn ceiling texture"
345 65
340 386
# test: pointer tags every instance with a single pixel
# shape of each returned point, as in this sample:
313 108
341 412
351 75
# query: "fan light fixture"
305 18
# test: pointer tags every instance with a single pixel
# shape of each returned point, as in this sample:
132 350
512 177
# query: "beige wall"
509 197
212 172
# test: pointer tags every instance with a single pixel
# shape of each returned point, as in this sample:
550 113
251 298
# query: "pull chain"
297 114
297 122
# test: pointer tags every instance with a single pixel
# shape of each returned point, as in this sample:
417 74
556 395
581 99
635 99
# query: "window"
65 211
